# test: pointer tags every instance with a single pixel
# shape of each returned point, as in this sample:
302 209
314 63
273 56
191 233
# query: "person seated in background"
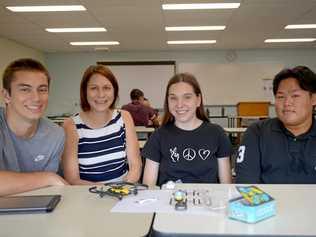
282 150
187 147
30 146
142 114
101 143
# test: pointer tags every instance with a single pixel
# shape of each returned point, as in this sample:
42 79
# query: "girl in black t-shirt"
187 147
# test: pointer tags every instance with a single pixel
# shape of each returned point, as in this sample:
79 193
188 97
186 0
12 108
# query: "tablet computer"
28 204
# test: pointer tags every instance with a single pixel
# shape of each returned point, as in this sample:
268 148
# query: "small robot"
180 197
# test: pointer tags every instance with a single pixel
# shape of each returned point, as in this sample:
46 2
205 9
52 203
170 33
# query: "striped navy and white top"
102 151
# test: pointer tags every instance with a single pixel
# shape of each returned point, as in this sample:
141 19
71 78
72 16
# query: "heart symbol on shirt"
204 154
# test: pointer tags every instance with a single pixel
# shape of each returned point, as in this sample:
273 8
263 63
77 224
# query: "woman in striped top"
101 143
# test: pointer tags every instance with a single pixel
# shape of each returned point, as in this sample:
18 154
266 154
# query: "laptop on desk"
28 204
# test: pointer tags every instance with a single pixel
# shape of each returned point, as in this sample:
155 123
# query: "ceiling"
139 24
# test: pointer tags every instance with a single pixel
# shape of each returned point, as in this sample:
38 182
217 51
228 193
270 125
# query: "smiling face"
100 93
183 103
28 96
294 106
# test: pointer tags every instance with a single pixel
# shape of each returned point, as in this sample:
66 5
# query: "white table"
80 214
295 216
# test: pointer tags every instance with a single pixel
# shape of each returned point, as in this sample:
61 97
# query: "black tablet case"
28 204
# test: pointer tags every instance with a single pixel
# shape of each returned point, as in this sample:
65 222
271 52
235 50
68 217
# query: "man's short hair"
304 76
23 64
136 94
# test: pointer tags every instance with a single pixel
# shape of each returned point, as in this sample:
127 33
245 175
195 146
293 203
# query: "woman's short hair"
191 80
91 70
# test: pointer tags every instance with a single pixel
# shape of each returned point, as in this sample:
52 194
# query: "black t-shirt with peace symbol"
188 156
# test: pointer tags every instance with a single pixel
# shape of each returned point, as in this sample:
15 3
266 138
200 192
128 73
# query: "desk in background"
243 121
57 119
143 134
142 129
222 120
235 130
235 135
295 216
80 214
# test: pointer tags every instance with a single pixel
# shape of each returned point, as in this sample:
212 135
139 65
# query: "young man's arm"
16 182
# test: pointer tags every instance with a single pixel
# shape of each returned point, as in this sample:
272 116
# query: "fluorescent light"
95 43
64 30
302 26
193 28
192 42
59 8
194 6
101 49
289 40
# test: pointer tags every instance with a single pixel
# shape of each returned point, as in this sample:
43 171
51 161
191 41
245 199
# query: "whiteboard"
151 79
228 84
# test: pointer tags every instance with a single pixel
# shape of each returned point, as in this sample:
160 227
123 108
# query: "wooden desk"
295 216
80 214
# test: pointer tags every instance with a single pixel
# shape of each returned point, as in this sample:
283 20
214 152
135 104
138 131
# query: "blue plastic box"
240 209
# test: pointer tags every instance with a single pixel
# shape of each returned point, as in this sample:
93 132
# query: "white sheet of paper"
149 201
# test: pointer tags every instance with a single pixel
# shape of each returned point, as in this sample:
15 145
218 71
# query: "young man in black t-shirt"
283 150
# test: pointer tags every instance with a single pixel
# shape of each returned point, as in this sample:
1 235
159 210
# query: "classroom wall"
67 68
10 50
227 84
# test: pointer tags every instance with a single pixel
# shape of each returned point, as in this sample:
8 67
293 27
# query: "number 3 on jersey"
241 154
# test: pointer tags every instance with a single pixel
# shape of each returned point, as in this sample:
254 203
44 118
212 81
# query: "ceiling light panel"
194 28
57 8
301 26
198 6
95 43
289 40
101 49
66 30
191 42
